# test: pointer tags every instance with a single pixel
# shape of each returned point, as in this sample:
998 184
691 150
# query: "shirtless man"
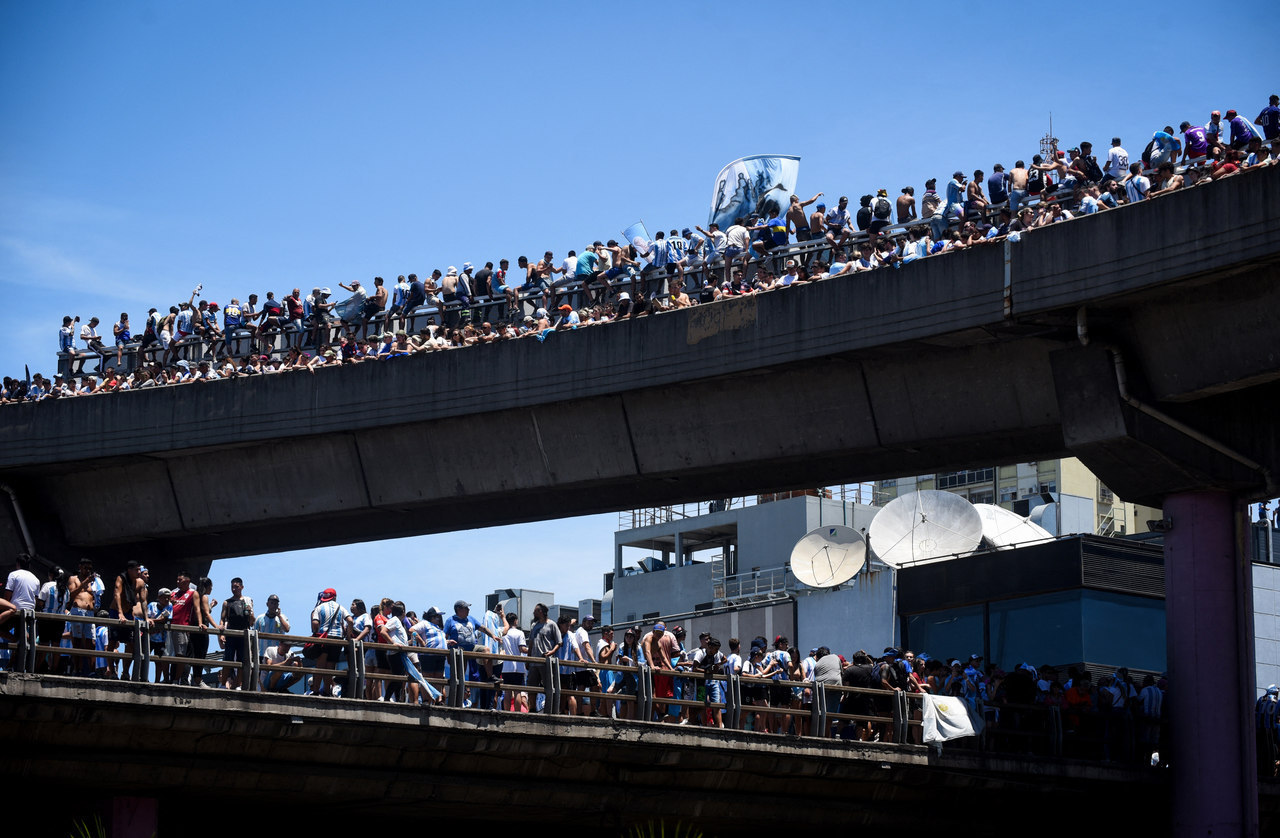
657 646
797 223
130 600
679 298
907 205
975 202
374 305
818 223
541 274
84 595
1017 186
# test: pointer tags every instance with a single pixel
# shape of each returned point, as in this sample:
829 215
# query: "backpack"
882 208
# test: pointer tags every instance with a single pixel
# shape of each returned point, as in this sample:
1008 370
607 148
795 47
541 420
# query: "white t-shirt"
511 643
395 631
738 236
25 587
1117 162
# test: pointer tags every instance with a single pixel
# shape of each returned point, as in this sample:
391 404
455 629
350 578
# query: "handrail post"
818 713
251 677
899 711
552 703
733 700
1055 731
457 675
361 679
644 693
353 671
140 657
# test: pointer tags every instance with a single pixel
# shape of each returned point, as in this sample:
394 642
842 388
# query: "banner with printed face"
637 235
761 184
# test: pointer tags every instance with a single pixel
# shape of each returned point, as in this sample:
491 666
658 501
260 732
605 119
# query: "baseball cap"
590 617
466 266
433 612
958 175
328 594
1216 113
462 603
685 232
164 592
566 308
975 657
821 206
1231 114
273 598
659 626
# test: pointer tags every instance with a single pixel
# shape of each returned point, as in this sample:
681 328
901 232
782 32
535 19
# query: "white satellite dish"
1004 529
828 556
925 526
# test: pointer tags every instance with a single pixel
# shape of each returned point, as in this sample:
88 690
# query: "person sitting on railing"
1087 164
1167 180
1259 155
1117 162
1195 145
836 222
206 326
92 341
280 654
1242 131
881 212
1222 163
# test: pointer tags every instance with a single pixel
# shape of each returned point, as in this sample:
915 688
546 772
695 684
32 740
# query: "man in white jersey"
1117 161
21 590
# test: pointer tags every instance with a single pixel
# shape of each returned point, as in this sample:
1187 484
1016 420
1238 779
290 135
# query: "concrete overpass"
953 361
1141 340
223 753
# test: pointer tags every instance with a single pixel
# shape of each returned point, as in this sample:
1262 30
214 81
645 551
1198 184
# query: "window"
1008 493
951 479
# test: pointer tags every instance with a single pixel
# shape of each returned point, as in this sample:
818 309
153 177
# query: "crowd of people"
609 281
412 665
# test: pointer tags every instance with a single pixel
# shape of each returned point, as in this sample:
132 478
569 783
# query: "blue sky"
150 146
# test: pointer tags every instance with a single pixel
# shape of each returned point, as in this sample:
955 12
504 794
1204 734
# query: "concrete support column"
679 549
1209 614
617 563
134 817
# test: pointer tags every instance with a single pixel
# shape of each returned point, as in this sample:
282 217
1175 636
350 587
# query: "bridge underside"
389 764
994 355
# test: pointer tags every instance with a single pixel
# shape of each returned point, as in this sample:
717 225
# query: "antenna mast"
1049 143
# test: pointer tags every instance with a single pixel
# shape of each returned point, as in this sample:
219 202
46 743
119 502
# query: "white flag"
947 717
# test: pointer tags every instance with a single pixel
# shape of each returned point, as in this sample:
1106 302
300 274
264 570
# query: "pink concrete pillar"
1209 612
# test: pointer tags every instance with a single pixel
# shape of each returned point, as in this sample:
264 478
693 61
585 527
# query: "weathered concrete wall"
403 763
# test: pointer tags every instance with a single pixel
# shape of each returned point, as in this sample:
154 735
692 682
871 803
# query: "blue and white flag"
761 184
637 235
948 717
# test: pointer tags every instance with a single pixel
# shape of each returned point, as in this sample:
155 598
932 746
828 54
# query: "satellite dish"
1004 529
925 526
828 556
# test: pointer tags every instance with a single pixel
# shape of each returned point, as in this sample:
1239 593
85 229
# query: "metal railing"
708 697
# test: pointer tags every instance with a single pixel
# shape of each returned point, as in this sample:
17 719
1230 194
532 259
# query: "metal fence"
707 697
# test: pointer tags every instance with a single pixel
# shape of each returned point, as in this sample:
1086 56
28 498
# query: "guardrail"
706 697
652 282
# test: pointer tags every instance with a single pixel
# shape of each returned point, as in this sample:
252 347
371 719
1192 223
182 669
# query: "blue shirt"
997 187
463 631
1269 119
955 192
